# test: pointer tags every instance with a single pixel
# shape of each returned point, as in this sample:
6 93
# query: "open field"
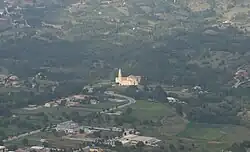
212 137
167 122
174 128
145 110
53 140
54 110
202 132
215 133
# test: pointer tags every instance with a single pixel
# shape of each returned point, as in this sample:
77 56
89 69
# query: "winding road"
111 93
238 83
130 100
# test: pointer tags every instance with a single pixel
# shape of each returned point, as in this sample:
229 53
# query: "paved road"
22 135
238 83
130 101
103 129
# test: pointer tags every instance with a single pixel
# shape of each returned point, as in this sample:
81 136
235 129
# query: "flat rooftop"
132 137
67 125
2 147
37 147
144 138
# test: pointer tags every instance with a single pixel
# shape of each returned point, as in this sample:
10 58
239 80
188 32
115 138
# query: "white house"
3 149
48 105
69 127
172 100
134 139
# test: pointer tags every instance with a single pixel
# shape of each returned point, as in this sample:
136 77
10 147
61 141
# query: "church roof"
133 76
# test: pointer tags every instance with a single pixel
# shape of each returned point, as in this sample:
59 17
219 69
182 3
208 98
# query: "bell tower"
119 73
119 76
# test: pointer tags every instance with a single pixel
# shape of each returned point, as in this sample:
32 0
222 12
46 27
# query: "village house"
69 127
132 139
3 149
172 100
50 104
39 149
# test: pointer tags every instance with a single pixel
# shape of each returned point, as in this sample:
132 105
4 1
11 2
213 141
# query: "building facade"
127 81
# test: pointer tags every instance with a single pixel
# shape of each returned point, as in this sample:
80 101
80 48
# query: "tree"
159 94
45 118
63 102
246 143
81 131
179 109
237 148
97 134
45 144
2 133
172 148
129 110
131 91
140 144
65 115
118 143
181 147
1 143
145 88
25 142
75 116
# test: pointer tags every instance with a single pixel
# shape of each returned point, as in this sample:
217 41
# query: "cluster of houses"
11 15
125 136
45 149
196 89
9 80
74 100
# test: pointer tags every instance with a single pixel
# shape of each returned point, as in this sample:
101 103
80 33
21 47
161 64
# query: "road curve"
130 100
238 83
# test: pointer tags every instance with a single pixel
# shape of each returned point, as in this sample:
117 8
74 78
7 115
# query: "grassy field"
174 128
145 110
54 110
212 136
170 122
53 140
202 132
219 133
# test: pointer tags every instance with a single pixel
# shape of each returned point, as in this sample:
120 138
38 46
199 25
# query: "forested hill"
173 42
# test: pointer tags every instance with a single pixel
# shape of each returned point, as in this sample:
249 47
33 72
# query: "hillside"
184 41
55 48
174 42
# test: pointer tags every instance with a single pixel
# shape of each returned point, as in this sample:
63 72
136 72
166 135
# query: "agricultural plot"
145 110
53 140
215 133
165 120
